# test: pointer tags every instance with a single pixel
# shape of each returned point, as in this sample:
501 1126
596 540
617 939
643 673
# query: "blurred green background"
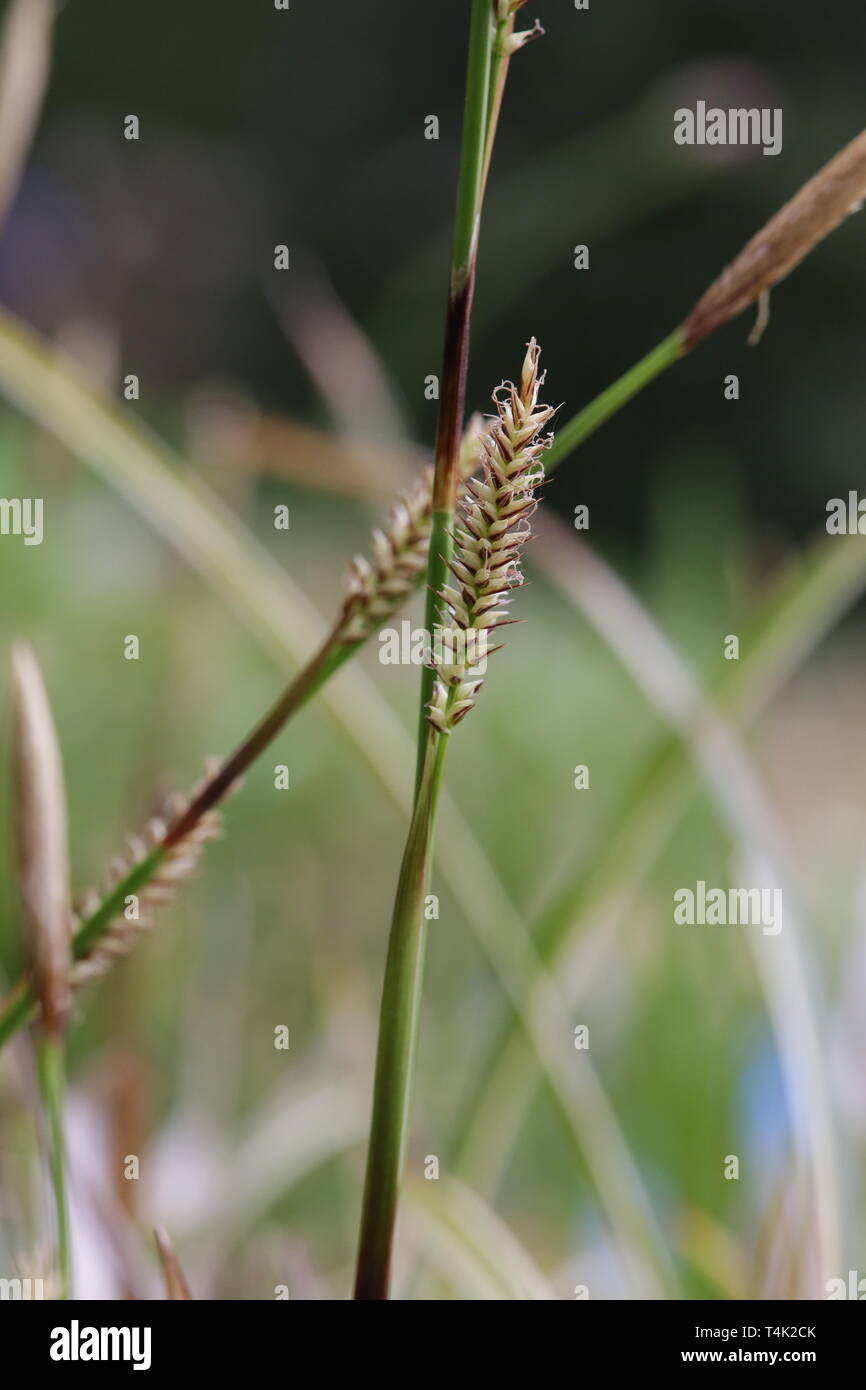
307 388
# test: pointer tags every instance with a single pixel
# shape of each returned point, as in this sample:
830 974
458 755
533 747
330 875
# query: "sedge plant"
378 587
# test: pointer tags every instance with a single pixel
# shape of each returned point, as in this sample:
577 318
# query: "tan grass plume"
179 862
41 840
816 209
491 529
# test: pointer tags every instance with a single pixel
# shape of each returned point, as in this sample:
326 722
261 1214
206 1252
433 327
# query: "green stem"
51 1055
479 122
455 351
588 420
329 658
404 969
398 1035
475 141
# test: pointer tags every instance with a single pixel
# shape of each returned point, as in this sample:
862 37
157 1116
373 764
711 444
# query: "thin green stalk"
329 658
401 995
52 1070
474 142
398 1035
478 133
441 547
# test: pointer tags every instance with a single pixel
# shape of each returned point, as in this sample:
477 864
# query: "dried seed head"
815 211
377 588
179 862
491 528
176 1286
42 855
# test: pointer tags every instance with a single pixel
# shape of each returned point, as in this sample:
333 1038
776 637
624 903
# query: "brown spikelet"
179 862
815 211
378 587
176 1287
42 857
491 528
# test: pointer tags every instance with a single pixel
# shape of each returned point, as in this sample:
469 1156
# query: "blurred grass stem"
398 1033
52 1071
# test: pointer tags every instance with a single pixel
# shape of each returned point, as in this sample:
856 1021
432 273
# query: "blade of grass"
471 1246
398 1033
51 1058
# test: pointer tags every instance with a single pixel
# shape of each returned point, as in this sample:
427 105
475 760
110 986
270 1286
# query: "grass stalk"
51 1062
401 994
398 1033
477 141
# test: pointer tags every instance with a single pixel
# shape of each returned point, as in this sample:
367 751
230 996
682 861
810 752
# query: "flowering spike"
491 529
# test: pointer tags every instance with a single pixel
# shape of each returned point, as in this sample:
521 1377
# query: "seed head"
491 529
180 862
378 587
